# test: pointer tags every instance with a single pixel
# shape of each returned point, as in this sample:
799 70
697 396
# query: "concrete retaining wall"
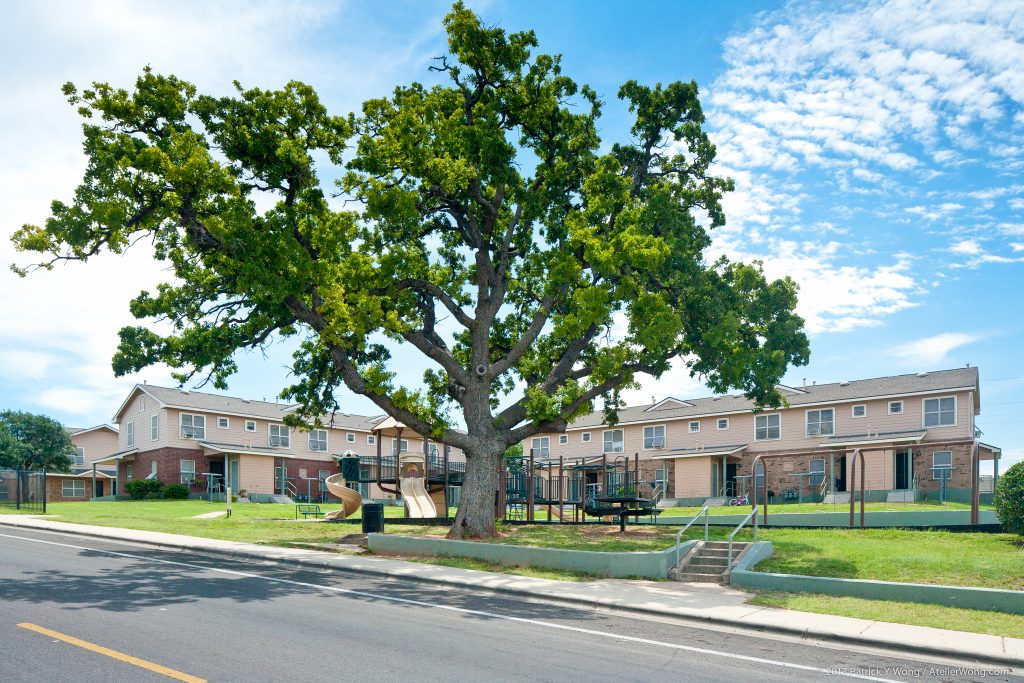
650 565
948 596
912 518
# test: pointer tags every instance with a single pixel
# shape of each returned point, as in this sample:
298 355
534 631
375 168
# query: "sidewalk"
706 602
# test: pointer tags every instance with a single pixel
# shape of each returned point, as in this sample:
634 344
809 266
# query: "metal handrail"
753 513
703 512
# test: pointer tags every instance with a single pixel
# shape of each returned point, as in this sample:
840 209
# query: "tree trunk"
475 518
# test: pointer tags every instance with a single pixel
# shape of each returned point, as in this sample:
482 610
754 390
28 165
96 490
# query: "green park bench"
307 510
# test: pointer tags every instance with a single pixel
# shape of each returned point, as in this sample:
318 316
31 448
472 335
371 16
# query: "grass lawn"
921 505
936 616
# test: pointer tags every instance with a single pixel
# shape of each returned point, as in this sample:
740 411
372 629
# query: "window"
79 455
654 437
821 422
223 423
371 439
723 423
193 426
250 425
817 469
350 437
72 488
128 472
318 440
613 441
942 464
563 439
279 436
895 407
129 434
188 471
940 412
154 428
758 481
541 446
142 404
585 437
695 426
860 411
395 445
767 427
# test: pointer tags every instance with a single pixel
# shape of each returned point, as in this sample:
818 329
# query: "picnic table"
623 507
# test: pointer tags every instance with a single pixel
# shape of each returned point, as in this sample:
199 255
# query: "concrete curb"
740 620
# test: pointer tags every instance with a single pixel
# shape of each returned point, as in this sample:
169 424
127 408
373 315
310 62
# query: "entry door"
730 479
904 470
841 474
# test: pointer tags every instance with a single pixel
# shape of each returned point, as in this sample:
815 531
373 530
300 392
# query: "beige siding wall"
97 444
256 473
693 477
793 432
139 412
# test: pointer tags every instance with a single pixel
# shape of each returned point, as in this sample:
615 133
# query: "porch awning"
710 451
242 449
874 438
117 457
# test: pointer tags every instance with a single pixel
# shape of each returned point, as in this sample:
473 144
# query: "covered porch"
248 470
706 473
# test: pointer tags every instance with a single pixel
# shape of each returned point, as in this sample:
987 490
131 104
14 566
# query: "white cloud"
933 351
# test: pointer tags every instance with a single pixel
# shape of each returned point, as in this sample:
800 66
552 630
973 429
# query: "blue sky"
877 147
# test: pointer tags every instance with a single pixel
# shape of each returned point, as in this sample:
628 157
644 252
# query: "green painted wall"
910 519
651 565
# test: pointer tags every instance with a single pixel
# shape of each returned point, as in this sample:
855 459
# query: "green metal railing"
703 513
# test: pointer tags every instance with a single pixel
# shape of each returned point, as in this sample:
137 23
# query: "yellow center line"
114 654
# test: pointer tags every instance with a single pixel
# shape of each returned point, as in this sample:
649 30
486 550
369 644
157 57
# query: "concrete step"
716 502
900 497
716 552
282 499
696 578
836 498
724 545
698 568
715 561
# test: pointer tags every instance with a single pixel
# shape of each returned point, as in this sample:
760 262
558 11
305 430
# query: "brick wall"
168 464
295 466
54 488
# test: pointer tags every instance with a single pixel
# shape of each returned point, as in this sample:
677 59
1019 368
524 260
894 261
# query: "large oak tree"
478 222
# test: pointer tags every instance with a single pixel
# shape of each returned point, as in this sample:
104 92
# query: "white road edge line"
463 610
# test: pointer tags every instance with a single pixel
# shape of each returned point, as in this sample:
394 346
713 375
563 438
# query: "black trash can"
373 518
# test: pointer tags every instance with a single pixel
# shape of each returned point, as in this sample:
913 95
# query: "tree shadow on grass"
803 558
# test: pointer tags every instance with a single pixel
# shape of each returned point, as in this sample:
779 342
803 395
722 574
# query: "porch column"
995 469
832 474
721 480
93 494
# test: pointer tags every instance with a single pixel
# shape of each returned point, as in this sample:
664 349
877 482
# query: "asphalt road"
223 619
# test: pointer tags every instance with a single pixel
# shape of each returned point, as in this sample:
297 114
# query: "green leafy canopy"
31 441
481 226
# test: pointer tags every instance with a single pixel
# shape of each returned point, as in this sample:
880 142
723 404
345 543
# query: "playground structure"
351 499
576 489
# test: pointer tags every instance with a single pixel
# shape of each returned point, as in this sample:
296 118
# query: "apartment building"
208 441
914 431
92 444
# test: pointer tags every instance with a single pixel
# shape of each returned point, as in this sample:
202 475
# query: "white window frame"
585 437
924 414
853 411
129 434
563 439
188 475
371 440
768 427
654 437
128 471
935 474
719 421
154 428
142 404
896 412
403 446
350 437
314 443
690 426
193 427
819 411
227 422
79 455
76 484
622 441
284 440
250 425
810 479
541 446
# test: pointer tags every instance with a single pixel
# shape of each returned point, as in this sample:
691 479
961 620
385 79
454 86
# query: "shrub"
1009 499
144 489
176 492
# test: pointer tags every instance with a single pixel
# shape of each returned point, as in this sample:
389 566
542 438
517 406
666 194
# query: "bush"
1009 499
176 492
144 489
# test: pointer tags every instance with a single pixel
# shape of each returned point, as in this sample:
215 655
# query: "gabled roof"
962 379
669 402
75 431
184 399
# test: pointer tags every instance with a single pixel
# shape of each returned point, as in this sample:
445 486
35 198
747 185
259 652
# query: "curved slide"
351 500
416 497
